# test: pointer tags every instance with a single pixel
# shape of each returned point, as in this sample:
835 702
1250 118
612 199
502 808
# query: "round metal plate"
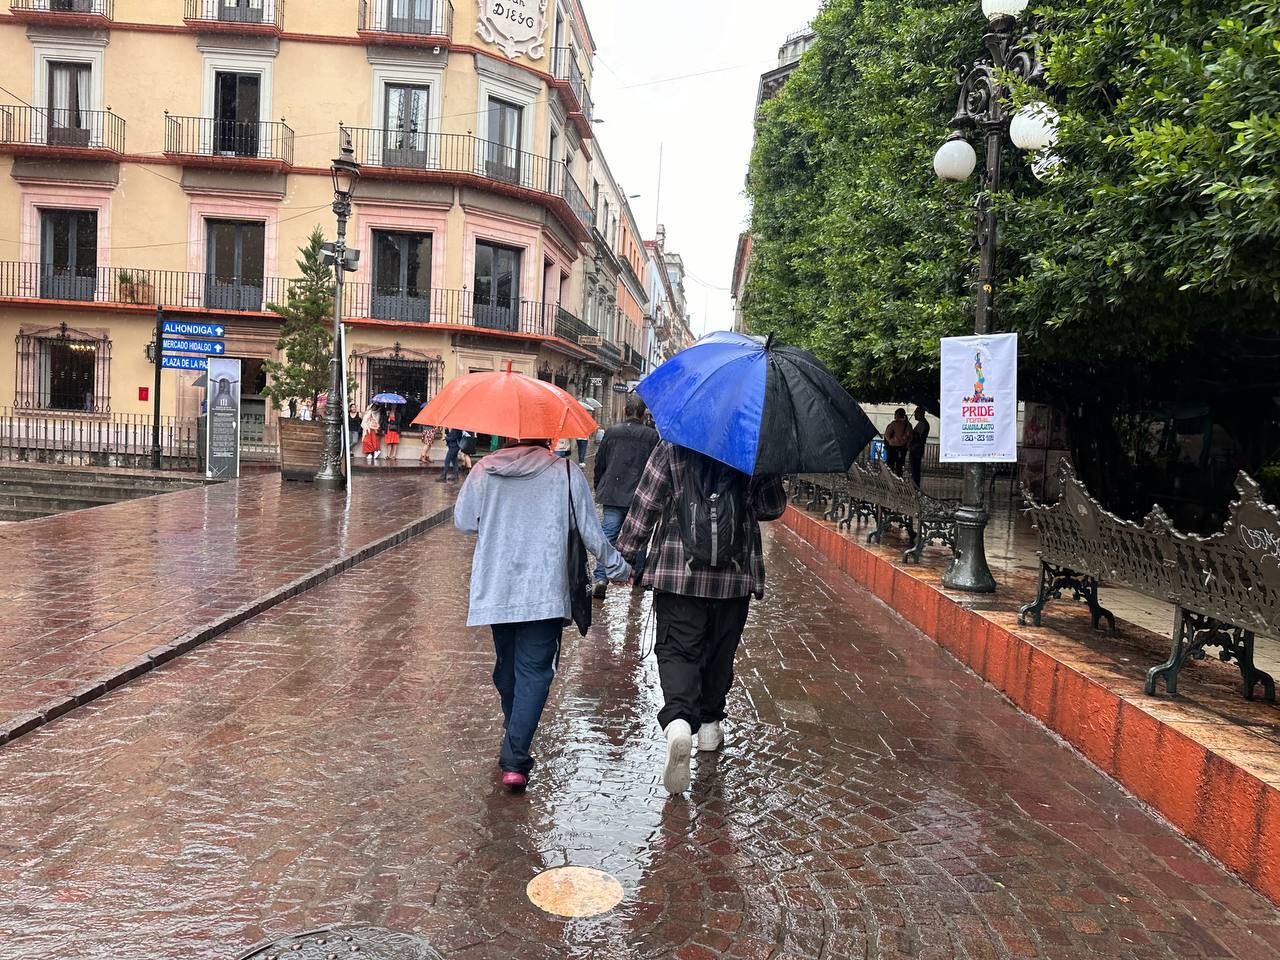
574 892
331 943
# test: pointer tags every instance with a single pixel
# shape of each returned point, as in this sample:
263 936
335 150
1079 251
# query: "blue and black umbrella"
759 407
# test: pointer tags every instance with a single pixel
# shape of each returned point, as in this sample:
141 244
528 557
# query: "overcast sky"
684 74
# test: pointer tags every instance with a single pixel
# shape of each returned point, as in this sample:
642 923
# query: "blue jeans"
526 664
450 460
582 451
612 520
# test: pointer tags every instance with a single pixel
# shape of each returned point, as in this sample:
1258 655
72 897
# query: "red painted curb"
1224 808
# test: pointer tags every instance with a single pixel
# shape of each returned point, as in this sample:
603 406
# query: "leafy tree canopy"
1153 247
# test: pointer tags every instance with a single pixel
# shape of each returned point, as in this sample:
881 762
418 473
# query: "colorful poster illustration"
980 399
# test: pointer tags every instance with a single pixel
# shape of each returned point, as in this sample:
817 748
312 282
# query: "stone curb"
24 723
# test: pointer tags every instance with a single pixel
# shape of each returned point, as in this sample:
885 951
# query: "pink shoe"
515 782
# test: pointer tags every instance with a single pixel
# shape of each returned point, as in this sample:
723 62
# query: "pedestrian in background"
371 446
452 449
518 501
353 425
620 461
467 449
391 431
704 568
919 442
429 436
897 437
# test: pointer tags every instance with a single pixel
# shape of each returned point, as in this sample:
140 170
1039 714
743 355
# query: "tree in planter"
306 337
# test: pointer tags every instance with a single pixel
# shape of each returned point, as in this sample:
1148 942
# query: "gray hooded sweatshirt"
518 501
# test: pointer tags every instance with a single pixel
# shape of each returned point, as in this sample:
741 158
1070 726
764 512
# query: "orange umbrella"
507 404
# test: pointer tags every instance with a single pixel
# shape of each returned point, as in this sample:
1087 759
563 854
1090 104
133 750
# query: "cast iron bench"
877 493
1225 587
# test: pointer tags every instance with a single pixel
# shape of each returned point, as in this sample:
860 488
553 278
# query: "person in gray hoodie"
517 500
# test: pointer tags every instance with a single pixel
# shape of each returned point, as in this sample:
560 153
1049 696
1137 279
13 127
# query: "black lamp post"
345 172
984 106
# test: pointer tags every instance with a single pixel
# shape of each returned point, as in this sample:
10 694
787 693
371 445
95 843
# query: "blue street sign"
216 347
176 328
184 363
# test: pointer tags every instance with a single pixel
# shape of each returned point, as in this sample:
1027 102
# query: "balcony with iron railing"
633 358
406 22
130 286
36 131
64 13
569 80
212 142
454 157
235 16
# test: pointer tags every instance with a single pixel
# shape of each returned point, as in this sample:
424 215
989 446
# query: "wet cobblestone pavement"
84 593
333 762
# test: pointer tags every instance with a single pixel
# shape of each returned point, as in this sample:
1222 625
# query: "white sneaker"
377 455
710 738
675 775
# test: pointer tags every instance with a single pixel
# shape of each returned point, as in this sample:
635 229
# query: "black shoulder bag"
579 583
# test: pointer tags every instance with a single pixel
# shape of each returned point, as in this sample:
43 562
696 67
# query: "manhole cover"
574 892
330 943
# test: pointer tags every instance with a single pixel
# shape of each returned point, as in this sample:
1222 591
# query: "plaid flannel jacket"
667 568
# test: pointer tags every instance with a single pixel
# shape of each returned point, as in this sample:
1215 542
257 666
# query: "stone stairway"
37 490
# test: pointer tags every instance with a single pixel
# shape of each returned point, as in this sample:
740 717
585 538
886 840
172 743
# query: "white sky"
703 122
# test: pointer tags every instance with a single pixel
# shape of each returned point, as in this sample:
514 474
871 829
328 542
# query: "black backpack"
711 508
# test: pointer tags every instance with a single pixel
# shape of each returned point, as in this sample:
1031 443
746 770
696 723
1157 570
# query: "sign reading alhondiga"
517 26
979 399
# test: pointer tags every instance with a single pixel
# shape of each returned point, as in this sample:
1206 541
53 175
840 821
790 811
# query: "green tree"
1147 267
306 336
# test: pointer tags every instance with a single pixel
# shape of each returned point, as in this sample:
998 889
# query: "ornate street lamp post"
345 172
983 106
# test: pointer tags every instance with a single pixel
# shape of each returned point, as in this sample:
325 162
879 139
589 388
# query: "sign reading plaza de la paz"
517 26
980 399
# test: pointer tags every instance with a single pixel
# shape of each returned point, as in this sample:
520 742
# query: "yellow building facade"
176 153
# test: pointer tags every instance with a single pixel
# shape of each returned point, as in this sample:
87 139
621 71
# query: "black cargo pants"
697 641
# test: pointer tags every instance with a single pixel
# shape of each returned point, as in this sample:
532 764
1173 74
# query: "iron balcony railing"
127 285
633 358
564 67
54 127
399 149
417 18
33 435
232 139
463 308
249 13
93 8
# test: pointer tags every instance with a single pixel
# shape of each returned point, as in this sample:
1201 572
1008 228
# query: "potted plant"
134 287
306 346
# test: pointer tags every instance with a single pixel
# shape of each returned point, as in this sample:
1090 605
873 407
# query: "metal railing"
109 439
247 12
129 285
56 127
464 153
419 18
453 307
97 8
244 139
564 67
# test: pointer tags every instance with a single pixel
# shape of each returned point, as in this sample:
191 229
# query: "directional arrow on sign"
215 347
178 328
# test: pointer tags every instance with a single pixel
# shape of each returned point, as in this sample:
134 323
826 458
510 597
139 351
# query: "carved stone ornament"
517 26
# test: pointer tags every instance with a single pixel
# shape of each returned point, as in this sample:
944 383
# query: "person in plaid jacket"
701 611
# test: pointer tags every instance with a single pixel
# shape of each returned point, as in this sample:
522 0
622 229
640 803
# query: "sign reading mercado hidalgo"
517 26
980 399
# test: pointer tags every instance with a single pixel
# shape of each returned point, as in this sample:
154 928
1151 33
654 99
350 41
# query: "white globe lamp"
1034 127
994 9
955 160
1046 165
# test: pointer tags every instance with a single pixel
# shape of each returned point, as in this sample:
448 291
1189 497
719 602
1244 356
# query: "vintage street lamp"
984 106
346 172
